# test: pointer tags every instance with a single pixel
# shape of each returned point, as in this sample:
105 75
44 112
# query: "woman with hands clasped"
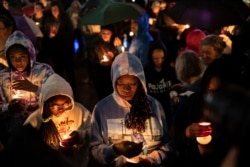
21 81
129 127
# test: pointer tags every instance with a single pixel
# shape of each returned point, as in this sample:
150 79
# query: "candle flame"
16 95
105 58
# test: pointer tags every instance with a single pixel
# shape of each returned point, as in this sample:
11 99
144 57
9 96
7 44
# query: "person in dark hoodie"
160 76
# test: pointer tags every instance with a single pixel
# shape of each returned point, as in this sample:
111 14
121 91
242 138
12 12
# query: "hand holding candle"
24 84
204 137
70 140
107 58
104 59
128 149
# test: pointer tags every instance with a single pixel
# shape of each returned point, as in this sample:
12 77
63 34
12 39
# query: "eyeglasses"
64 106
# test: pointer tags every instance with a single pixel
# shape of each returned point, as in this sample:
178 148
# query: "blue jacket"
140 42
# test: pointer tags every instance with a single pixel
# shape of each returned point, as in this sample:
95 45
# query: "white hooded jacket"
75 119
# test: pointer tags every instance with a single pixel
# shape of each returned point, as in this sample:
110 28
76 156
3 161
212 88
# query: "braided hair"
140 110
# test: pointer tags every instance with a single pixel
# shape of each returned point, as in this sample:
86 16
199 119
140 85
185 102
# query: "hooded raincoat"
38 75
108 121
141 41
75 119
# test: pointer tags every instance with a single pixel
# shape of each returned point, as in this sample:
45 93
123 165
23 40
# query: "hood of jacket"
143 25
126 64
55 85
17 37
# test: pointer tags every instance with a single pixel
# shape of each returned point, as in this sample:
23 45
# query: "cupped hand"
128 148
117 41
71 140
24 85
142 163
110 55
195 130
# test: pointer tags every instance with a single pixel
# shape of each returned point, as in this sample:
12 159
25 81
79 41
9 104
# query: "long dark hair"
140 110
48 129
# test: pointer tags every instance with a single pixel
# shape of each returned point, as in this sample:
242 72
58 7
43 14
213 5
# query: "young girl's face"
158 57
58 106
19 59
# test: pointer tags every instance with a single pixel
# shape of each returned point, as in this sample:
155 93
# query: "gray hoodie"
108 117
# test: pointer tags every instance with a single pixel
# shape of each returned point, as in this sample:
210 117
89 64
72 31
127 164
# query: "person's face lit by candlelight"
19 58
126 86
58 106
106 35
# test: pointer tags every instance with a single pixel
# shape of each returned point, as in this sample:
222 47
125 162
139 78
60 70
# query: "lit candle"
16 95
205 129
133 160
204 140
122 48
65 136
131 33
105 58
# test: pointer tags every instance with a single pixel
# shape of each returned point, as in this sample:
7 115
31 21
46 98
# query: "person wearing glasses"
62 124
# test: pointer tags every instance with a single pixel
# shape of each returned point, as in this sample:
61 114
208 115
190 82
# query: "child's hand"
73 139
24 85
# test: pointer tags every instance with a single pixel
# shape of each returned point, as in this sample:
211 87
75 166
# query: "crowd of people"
154 89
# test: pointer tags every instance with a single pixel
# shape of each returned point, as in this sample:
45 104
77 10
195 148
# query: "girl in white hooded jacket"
62 124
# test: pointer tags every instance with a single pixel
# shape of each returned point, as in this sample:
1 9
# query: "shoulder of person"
79 106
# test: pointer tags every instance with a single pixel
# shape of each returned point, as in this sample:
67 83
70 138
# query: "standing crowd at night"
168 95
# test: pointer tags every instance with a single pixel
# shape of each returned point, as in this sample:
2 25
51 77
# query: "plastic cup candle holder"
206 128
